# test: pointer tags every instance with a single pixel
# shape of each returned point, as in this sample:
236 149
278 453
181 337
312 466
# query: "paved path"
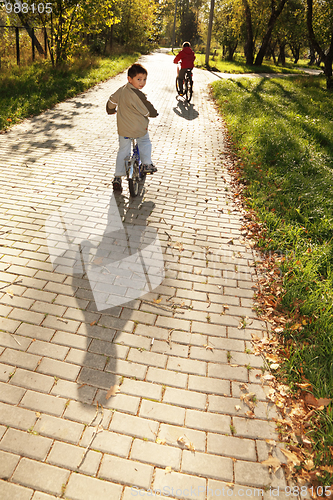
181 362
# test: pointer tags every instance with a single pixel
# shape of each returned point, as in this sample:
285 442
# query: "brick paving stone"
35 332
127 368
70 457
8 340
180 485
38 495
205 421
134 426
8 463
32 380
209 385
120 402
109 349
26 444
162 412
187 365
167 377
143 389
107 442
58 428
40 476
207 465
82 487
217 489
134 491
10 394
89 359
147 358
255 428
19 418
124 471
50 350
71 340
85 413
156 454
172 432
231 446
71 390
58 368
257 475
187 399
228 372
10 491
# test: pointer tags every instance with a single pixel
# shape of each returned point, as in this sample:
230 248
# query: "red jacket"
186 56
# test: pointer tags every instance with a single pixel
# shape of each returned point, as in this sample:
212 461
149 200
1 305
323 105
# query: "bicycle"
187 84
133 167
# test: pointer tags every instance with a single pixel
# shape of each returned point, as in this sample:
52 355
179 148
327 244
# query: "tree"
276 9
325 53
226 29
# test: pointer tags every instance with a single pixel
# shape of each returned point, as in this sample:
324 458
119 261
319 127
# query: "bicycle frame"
133 168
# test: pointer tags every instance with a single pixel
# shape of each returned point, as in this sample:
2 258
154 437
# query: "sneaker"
149 169
117 184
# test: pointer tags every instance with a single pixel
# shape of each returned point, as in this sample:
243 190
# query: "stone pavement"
180 352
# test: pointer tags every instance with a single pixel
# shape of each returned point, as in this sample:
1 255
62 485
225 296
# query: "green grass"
239 65
27 91
282 132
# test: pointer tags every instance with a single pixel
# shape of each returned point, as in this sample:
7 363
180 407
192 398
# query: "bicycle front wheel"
133 183
188 89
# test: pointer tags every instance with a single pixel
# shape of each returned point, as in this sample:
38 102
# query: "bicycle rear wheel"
188 88
177 86
133 183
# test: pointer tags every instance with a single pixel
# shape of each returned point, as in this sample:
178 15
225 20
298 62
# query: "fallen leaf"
272 463
160 441
168 470
157 301
10 292
98 261
292 457
274 366
93 323
249 414
114 389
237 408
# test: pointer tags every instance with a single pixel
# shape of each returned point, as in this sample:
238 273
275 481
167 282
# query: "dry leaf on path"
114 389
168 470
272 463
160 441
157 301
292 457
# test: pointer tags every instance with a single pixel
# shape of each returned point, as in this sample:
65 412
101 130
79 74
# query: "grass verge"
239 66
29 90
282 133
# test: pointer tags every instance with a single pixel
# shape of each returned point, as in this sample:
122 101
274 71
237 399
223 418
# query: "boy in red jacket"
187 57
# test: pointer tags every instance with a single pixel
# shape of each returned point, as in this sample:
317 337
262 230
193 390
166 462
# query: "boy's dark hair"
186 44
136 69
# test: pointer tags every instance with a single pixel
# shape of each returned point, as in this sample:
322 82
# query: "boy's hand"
109 110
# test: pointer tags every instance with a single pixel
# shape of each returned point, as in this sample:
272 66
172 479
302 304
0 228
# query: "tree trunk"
249 46
30 32
271 23
231 51
282 54
327 58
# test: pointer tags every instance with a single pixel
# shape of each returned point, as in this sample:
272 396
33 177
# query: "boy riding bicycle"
132 121
187 57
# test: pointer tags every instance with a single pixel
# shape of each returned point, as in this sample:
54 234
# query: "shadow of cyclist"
185 109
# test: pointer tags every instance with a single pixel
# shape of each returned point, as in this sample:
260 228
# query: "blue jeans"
125 150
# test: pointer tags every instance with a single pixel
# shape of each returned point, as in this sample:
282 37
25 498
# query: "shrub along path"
189 414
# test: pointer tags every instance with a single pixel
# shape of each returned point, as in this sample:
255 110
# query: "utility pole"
209 34
174 27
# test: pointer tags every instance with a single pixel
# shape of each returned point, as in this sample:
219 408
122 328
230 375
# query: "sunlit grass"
238 65
29 90
282 130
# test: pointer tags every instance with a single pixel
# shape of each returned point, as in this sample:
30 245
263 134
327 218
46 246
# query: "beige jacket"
133 111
